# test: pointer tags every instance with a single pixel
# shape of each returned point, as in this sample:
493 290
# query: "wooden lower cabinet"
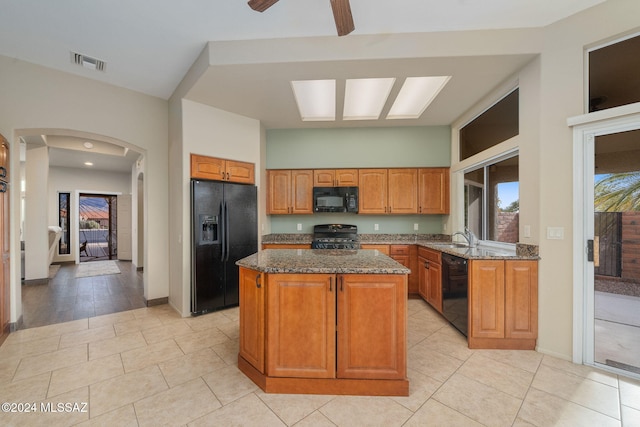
407 255
324 333
503 304
251 284
430 277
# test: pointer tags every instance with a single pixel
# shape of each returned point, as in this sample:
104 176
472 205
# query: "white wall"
551 91
72 180
36 100
211 132
36 235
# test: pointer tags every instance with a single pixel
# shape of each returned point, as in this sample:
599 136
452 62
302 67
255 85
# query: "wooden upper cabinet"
372 194
433 191
388 191
403 191
289 192
213 168
335 178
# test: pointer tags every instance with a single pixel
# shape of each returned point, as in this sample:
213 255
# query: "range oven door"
455 302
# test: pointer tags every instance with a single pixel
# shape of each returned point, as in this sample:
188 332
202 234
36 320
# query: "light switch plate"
555 233
299 227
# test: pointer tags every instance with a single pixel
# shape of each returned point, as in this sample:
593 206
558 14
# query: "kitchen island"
324 322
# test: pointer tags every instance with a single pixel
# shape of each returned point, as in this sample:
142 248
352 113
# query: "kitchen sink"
451 245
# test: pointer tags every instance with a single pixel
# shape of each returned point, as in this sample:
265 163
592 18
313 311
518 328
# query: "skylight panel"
316 99
364 99
416 94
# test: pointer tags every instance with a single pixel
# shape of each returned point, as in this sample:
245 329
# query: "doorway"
616 225
97 227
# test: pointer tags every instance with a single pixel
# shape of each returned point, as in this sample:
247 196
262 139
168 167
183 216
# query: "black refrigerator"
224 229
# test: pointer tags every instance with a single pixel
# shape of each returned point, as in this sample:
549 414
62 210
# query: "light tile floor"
150 367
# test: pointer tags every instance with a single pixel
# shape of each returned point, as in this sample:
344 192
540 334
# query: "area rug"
97 268
53 270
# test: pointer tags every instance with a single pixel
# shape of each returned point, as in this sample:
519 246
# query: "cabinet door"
205 167
252 317
4 159
372 191
301 192
403 191
324 178
346 177
372 326
241 172
521 299
434 286
433 191
423 277
278 191
486 299
301 325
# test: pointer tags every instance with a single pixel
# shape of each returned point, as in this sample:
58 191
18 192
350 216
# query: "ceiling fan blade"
261 5
342 16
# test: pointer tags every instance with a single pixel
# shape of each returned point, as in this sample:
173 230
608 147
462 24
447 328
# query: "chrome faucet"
468 235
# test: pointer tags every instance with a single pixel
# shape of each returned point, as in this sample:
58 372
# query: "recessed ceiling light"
88 163
364 99
88 145
316 99
416 95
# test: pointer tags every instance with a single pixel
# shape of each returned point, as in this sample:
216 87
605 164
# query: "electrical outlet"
299 227
376 227
527 231
415 227
444 227
555 233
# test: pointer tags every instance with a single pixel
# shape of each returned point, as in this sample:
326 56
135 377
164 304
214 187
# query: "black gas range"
335 236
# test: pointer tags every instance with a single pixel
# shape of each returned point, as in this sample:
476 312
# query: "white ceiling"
149 45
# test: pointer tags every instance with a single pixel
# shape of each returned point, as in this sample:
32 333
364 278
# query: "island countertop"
305 261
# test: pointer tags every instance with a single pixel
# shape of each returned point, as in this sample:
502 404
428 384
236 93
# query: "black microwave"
335 199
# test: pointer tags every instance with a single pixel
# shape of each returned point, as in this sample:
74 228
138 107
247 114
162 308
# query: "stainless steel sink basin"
451 245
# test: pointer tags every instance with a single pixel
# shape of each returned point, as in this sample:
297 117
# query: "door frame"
585 129
75 223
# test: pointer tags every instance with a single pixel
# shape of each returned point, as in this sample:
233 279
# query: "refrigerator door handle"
226 230
223 236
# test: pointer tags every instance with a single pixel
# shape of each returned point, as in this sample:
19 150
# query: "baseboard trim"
32 282
157 301
16 326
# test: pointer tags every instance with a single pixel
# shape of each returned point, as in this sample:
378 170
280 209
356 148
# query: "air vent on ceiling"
88 61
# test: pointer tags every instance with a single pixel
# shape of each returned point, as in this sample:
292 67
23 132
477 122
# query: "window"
614 75
495 125
64 248
492 199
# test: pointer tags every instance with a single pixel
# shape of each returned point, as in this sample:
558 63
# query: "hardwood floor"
67 297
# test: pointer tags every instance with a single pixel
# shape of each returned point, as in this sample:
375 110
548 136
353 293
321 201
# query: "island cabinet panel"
372 326
252 317
289 192
301 325
335 178
433 191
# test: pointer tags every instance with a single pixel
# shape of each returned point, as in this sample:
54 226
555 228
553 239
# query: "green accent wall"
419 146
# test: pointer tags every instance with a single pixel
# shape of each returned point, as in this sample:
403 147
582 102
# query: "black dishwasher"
455 303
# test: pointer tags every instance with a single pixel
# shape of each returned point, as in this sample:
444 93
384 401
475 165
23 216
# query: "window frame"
484 164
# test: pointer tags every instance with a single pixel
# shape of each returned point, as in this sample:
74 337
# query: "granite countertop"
322 261
440 242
